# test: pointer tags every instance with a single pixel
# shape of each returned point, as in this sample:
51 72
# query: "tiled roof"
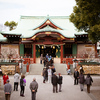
27 24
2 38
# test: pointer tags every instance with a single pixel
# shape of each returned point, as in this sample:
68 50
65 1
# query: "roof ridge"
47 17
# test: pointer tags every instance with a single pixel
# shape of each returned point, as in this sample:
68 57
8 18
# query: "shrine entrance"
50 50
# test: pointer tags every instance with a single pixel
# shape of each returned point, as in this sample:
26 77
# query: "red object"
5 77
68 65
27 68
34 53
61 53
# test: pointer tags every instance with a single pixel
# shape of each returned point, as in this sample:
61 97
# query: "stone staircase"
36 69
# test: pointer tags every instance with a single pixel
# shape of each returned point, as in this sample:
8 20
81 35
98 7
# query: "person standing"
41 58
16 81
49 74
60 78
53 69
81 69
49 58
22 86
44 74
88 82
54 81
0 71
33 88
47 55
76 76
82 80
7 90
5 78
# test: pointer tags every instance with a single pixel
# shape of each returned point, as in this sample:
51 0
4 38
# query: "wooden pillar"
61 54
0 47
34 53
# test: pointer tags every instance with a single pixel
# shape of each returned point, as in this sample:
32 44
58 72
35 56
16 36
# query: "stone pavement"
69 91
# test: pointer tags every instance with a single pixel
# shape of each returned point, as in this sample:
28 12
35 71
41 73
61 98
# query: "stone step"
36 69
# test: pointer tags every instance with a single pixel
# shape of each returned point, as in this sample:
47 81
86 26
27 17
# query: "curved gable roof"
28 23
47 21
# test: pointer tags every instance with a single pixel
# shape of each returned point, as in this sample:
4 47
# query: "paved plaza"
69 91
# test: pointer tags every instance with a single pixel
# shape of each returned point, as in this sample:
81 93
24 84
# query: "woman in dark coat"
60 78
81 80
88 82
22 87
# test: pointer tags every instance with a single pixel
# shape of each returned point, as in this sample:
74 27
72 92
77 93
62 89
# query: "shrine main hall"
36 35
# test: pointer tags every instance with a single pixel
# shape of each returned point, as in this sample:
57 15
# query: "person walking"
22 86
81 80
5 78
76 76
44 61
54 81
60 78
16 81
33 88
44 74
49 74
7 90
88 82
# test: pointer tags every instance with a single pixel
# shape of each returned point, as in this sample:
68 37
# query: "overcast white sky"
13 9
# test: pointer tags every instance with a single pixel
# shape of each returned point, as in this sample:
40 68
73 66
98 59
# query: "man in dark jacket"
54 81
76 76
7 90
33 88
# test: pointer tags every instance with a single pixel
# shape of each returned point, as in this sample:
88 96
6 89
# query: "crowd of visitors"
79 77
49 75
47 60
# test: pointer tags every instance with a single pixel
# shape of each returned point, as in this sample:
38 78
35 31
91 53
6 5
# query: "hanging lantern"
53 47
42 47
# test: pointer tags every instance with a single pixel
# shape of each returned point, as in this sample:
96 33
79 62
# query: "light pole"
21 65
